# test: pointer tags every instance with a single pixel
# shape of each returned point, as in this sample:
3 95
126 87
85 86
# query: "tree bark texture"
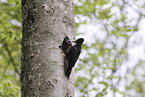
45 24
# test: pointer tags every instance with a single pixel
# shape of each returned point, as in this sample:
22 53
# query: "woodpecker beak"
74 41
69 42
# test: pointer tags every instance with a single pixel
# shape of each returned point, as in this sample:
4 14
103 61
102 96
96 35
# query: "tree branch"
11 58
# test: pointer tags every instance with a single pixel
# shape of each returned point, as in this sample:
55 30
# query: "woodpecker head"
79 41
66 40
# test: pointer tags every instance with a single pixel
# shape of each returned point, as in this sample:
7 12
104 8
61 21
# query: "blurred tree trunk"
45 24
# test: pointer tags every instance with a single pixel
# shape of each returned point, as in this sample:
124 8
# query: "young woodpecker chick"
73 55
66 45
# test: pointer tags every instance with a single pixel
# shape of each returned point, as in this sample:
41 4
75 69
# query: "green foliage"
103 66
10 45
8 89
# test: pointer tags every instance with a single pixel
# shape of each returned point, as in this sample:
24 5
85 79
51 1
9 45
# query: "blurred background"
112 59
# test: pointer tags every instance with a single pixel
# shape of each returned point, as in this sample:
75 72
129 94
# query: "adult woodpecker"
73 54
65 47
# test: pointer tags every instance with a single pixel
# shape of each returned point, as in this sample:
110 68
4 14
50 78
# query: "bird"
73 54
65 47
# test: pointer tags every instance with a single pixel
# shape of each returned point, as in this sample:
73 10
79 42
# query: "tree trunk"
45 24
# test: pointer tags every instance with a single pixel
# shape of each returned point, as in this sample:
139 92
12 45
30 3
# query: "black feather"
66 45
73 55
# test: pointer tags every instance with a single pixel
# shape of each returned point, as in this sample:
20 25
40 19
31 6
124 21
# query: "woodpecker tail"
68 72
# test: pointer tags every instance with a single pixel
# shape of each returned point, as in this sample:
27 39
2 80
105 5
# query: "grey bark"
45 24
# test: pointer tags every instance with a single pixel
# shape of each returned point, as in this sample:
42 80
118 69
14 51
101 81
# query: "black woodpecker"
73 54
66 45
